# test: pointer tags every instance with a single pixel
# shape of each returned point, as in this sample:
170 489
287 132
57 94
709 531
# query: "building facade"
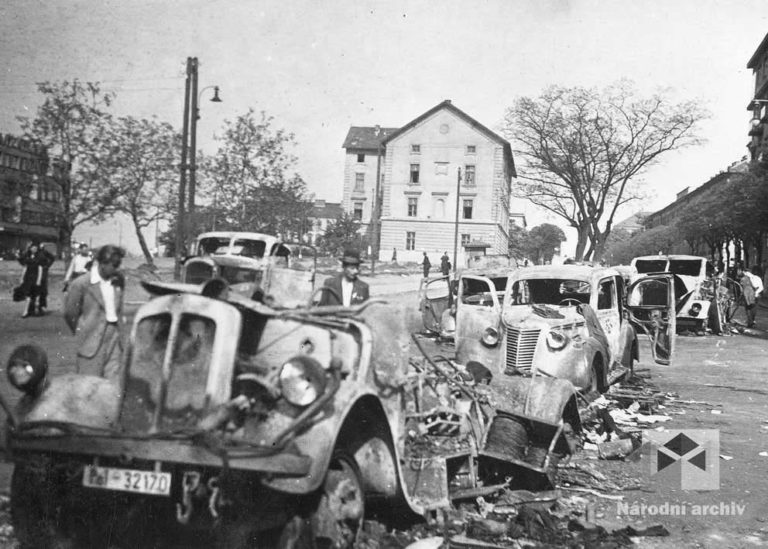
440 162
29 198
758 104
320 216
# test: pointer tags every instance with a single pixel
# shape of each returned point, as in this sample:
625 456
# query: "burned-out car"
702 300
239 425
569 322
437 295
254 265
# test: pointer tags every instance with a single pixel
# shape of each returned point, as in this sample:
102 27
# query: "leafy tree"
137 157
70 124
518 239
615 247
543 241
660 239
584 150
342 233
251 179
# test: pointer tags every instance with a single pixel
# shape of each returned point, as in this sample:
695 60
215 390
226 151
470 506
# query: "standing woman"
33 279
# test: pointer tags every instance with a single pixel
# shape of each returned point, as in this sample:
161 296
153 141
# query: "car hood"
526 317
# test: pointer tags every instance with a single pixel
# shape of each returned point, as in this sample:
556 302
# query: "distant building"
321 215
419 166
30 198
634 223
518 219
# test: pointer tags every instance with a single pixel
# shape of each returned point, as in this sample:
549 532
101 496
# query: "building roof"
721 177
758 52
365 137
326 210
447 105
634 221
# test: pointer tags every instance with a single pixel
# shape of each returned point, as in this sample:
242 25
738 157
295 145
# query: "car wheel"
596 383
716 317
34 507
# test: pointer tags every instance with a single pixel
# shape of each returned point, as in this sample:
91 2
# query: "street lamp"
188 147
456 226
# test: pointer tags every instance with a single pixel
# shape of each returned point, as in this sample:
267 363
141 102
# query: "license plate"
127 480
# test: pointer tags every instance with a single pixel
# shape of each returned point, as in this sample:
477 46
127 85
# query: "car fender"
547 399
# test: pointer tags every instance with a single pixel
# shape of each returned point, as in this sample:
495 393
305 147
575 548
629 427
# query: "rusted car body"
568 322
255 265
241 425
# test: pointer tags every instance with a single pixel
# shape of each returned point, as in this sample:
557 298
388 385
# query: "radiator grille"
521 346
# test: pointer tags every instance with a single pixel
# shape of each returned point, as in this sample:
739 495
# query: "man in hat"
345 288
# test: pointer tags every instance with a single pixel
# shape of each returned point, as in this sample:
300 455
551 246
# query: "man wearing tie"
345 288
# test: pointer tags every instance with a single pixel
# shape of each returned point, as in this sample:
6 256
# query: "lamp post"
186 205
456 226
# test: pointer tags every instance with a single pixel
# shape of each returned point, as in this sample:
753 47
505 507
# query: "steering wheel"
568 301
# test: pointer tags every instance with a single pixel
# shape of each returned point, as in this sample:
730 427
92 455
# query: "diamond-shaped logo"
683 458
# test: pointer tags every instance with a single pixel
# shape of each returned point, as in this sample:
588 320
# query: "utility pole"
195 114
456 226
181 218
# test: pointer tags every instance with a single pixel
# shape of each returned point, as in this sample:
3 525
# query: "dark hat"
351 257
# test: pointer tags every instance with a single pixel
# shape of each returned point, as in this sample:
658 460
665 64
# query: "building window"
357 211
415 149
414 173
410 241
471 149
464 239
359 182
361 157
467 209
469 174
413 206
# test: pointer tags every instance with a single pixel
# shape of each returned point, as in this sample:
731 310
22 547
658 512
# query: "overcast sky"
320 66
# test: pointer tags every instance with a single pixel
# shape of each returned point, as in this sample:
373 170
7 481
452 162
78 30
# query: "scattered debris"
726 458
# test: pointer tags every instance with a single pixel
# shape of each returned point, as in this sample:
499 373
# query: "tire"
596 383
716 317
34 507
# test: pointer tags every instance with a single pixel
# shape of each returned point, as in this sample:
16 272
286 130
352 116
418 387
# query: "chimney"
682 193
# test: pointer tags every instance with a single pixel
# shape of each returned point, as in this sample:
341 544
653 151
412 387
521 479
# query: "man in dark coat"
345 288
36 261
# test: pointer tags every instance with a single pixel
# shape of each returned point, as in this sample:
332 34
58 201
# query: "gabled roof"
365 137
447 105
758 52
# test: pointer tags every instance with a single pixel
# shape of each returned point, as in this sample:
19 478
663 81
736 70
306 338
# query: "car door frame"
472 321
657 321
436 306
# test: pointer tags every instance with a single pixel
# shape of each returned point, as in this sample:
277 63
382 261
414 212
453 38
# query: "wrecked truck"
570 322
239 425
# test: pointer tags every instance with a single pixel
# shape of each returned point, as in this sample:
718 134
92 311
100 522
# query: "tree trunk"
142 242
582 241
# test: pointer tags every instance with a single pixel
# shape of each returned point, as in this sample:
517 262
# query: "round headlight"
556 340
695 309
491 336
27 367
302 380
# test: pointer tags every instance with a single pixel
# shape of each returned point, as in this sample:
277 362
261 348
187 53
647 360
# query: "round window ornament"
444 128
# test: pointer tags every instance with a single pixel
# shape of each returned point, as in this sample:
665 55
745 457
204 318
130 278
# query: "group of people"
445 264
93 303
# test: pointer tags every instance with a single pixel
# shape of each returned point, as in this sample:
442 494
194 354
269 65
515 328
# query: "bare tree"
71 121
583 151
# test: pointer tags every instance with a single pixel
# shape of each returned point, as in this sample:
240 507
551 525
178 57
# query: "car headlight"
695 309
27 367
556 340
490 336
302 380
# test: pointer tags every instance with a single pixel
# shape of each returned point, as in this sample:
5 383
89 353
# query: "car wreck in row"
572 322
239 424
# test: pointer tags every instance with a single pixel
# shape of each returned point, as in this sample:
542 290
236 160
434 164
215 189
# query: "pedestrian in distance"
93 311
394 255
752 287
36 261
345 288
445 264
79 264
426 265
